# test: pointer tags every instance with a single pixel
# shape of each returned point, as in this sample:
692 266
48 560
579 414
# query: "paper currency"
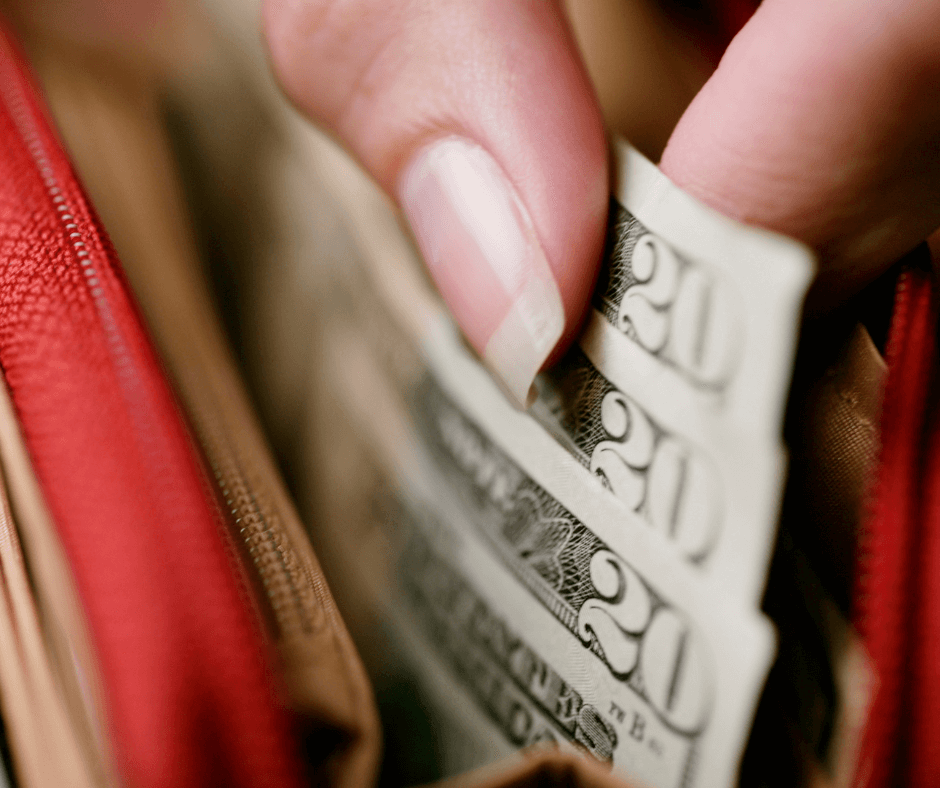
667 702
701 699
713 496
530 702
708 308
700 463
674 395
587 574
478 553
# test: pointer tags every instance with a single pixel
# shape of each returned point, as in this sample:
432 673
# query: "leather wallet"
165 619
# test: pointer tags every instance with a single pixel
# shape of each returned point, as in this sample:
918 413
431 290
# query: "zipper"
291 594
189 693
886 559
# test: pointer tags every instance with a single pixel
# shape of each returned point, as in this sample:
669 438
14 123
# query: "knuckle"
319 48
296 32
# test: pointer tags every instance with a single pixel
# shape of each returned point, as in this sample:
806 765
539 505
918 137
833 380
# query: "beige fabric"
833 453
645 67
49 691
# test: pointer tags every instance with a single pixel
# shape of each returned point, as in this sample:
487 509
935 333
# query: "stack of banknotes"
588 573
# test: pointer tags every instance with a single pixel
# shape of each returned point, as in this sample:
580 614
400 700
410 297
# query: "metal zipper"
289 590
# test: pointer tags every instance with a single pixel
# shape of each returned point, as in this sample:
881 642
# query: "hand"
479 118
822 121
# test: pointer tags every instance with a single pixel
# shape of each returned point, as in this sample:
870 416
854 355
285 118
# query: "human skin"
821 121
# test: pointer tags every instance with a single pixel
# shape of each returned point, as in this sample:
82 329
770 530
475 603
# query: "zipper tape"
190 695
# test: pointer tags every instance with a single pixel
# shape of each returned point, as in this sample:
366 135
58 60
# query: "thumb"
478 117
822 122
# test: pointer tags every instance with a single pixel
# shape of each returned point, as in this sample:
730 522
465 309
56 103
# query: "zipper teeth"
141 402
14 98
136 397
866 540
291 596
280 572
888 541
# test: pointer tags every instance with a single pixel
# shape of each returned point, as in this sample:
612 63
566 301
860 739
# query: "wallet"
165 619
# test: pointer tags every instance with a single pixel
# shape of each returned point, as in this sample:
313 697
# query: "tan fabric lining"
51 694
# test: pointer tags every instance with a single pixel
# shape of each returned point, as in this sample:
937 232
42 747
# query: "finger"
823 122
478 117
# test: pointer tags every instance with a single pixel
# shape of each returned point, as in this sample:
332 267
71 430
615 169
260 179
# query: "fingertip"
485 257
819 123
479 118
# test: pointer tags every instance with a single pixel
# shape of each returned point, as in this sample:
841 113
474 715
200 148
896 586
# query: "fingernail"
485 258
